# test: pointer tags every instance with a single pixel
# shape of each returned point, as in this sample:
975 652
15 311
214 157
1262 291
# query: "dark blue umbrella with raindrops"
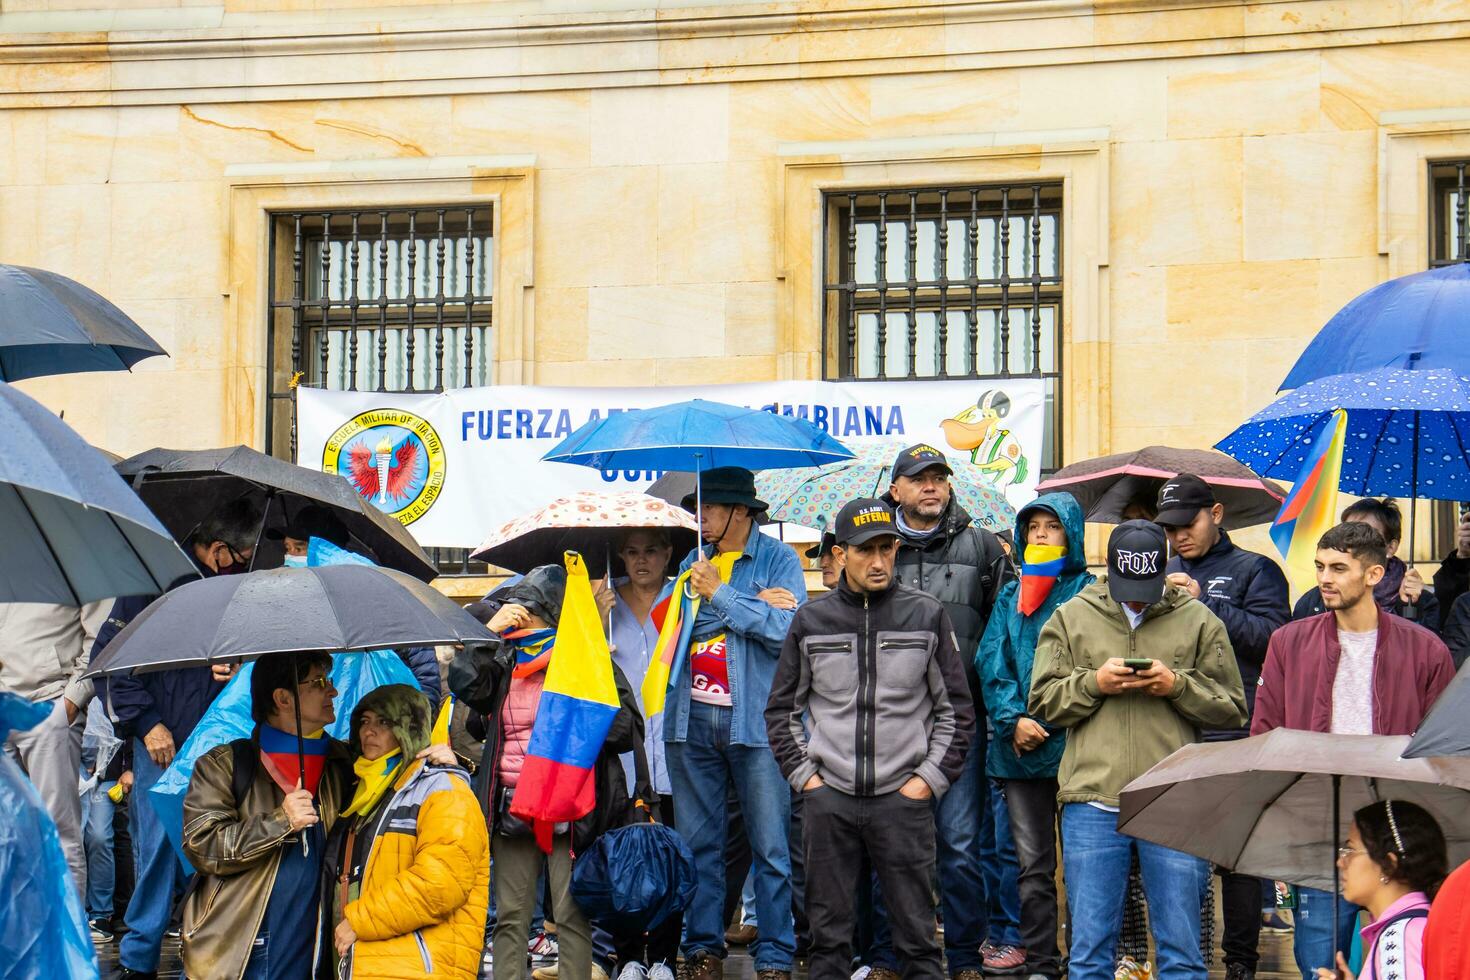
1407 432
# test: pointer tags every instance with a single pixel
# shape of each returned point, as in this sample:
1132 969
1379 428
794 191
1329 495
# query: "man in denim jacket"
749 585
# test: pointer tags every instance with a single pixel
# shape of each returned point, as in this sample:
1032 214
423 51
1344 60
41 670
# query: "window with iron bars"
383 299
946 282
1449 242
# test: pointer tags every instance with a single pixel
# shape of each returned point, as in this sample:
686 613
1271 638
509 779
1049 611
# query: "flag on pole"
674 617
1310 509
578 704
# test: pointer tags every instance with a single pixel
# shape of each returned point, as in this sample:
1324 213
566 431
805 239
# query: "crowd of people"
923 743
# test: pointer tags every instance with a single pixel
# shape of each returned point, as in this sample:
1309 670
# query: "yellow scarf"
374 777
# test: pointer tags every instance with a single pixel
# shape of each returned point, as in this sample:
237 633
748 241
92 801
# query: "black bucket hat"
727 485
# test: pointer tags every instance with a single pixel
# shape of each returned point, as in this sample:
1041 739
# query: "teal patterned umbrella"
812 495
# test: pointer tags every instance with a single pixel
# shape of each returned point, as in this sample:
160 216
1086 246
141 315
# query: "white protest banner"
455 465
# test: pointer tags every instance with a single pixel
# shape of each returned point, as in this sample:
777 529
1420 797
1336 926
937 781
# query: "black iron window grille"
946 282
1449 213
385 300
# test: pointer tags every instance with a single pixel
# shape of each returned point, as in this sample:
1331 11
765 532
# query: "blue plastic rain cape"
228 718
43 930
634 877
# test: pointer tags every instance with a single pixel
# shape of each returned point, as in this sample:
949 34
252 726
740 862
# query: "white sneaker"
861 973
660 971
633 971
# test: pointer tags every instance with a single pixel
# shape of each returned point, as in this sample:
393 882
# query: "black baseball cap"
916 459
1182 498
863 520
1136 559
822 547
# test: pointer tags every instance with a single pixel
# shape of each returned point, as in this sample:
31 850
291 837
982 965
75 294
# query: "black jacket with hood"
964 567
480 677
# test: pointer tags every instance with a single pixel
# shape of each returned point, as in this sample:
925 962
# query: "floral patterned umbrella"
812 496
588 522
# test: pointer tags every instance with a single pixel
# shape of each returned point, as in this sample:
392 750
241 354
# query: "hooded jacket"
1250 595
1411 667
964 567
235 847
1008 648
870 691
1115 739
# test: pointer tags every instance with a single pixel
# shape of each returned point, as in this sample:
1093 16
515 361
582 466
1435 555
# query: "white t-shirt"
1352 689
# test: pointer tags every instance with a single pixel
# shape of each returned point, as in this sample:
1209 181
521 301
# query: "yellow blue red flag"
1311 507
578 704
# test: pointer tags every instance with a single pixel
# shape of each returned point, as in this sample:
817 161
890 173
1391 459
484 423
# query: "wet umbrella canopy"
50 324
183 487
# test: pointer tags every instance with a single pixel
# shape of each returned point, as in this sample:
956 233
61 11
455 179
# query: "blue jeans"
1001 867
1096 859
97 841
1313 942
700 768
160 875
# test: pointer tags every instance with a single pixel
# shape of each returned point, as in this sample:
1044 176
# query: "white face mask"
295 561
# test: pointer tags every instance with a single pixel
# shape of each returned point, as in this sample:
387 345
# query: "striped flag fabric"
1310 509
674 617
578 704
1041 564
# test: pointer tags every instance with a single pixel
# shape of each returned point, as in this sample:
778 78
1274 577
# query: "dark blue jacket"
425 667
136 703
1248 592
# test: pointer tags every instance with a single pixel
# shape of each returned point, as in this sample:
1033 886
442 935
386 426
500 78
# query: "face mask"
295 561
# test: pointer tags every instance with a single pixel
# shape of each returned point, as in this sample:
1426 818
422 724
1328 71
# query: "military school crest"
394 459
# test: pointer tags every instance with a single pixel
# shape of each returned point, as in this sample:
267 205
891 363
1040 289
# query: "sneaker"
862 973
542 949
101 931
633 971
1275 922
702 966
1131 969
741 935
552 972
1239 971
1003 959
660 971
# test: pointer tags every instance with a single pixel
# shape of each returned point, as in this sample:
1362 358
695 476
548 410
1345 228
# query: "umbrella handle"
699 503
1336 872
300 741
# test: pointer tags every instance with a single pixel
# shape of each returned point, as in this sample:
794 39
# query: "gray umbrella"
50 324
231 618
185 486
1445 731
73 531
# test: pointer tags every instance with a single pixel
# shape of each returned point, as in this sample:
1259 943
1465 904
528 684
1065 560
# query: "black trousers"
1240 898
658 945
897 836
1032 806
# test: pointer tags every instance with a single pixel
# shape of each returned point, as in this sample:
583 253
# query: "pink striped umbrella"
590 522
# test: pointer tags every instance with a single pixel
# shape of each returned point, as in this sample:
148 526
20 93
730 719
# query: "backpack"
245 756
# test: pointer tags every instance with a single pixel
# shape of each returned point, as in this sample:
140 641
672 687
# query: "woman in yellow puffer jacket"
409 860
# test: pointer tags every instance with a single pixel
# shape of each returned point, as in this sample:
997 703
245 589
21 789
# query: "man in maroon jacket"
1353 670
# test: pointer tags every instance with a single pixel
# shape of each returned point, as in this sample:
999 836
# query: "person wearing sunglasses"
1392 864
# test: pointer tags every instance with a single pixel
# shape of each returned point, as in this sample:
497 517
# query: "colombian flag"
1040 566
674 617
577 708
1311 507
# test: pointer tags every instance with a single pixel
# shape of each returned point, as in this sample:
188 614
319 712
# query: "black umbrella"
231 618
72 531
50 324
183 487
1445 730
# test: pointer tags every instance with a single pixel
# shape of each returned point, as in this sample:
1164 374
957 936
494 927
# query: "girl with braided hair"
1392 865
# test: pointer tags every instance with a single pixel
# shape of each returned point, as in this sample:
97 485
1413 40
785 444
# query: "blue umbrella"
1418 321
1407 433
50 324
71 531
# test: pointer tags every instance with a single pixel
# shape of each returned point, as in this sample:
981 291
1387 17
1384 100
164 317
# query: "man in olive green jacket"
1135 671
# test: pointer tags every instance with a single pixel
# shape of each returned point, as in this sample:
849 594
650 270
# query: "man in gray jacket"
870 719
42 658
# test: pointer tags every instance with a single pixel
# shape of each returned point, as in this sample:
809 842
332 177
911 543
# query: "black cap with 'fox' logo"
1136 559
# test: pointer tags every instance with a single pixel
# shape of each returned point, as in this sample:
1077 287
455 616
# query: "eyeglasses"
1346 851
321 682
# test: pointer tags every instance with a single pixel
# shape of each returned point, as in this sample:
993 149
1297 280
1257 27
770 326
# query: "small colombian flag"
578 704
674 617
1040 566
1311 507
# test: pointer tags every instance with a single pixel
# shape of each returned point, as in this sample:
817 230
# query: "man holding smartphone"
1135 668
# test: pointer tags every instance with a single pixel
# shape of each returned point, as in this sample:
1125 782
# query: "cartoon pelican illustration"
992 448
